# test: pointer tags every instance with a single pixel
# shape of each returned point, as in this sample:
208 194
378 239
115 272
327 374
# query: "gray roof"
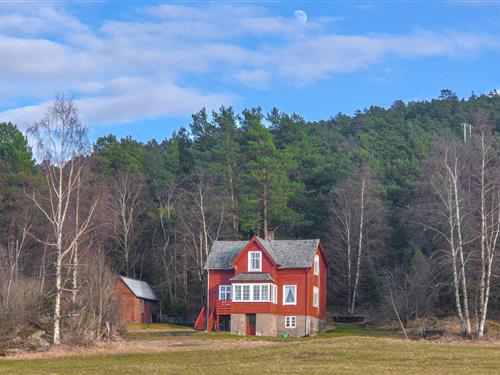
223 253
286 253
252 277
141 289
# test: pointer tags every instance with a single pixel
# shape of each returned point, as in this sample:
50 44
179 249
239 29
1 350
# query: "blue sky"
141 68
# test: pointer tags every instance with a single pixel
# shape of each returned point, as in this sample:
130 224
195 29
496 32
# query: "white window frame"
251 287
256 296
274 293
284 294
236 293
250 292
316 296
290 322
316 265
225 291
250 265
268 299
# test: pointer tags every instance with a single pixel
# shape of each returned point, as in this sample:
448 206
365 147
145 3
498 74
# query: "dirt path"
124 346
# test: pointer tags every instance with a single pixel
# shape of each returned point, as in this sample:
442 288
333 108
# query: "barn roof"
141 289
286 253
252 277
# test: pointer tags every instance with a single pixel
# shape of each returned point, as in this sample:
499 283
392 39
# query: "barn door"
251 322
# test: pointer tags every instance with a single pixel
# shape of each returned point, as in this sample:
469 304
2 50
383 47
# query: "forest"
405 199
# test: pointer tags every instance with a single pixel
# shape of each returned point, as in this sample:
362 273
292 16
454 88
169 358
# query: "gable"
140 289
241 260
283 253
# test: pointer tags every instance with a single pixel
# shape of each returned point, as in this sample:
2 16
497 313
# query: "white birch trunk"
360 245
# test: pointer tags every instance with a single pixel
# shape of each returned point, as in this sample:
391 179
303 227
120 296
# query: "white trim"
250 268
316 264
227 290
290 322
251 292
315 296
295 294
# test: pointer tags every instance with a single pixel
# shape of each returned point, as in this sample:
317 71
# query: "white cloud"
128 99
124 71
257 78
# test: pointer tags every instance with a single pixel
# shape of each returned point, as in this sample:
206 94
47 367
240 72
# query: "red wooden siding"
131 305
303 278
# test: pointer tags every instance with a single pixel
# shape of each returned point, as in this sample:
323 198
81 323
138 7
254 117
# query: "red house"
265 287
139 302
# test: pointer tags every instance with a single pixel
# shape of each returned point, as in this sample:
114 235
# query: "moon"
300 16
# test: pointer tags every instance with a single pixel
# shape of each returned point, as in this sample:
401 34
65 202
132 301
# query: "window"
254 261
274 293
289 294
142 306
290 322
316 296
316 265
246 292
224 292
252 292
237 292
265 292
256 293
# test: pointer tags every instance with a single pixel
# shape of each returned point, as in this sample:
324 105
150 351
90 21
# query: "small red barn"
265 287
139 302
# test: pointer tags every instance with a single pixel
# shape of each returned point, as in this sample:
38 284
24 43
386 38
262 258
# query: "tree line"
405 199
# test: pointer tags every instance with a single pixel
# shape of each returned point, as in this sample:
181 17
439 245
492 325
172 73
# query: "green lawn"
331 353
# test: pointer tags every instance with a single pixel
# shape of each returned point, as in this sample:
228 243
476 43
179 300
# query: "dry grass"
155 327
345 350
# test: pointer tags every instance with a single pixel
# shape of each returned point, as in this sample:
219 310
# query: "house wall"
273 325
313 324
238 324
131 305
216 278
241 262
266 325
304 279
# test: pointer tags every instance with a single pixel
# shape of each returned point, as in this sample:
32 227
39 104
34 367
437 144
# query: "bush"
21 307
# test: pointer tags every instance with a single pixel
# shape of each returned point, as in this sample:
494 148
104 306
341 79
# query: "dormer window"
254 261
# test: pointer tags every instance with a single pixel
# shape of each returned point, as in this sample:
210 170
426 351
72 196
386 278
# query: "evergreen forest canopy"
151 210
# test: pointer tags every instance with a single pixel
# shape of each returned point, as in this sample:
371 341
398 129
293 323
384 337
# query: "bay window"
254 292
237 292
246 292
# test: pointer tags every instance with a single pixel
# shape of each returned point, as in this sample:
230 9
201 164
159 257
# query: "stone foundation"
274 325
238 324
266 325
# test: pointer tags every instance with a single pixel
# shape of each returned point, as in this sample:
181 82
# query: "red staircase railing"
200 321
223 307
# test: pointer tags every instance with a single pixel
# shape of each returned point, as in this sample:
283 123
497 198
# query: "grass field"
346 350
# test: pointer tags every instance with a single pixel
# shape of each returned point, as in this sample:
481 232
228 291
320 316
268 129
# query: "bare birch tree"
125 206
202 220
485 162
357 223
164 249
445 217
61 140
